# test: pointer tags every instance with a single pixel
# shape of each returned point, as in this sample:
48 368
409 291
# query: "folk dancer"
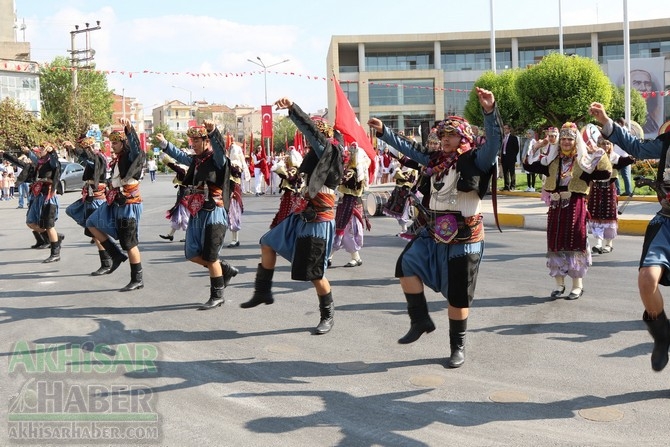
290 185
93 193
569 168
655 259
445 255
208 199
178 215
237 167
311 228
602 201
43 203
350 219
119 217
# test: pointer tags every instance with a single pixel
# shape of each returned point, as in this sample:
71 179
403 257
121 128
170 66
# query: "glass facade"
399 61
398 92
530 56
456 94
475 60
638 49
406 122
351 90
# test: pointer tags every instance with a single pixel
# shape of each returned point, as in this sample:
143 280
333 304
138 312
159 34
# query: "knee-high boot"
135 278
457 342
115 252
262 288
55 253
659 328
41 240
105 263
327 311
216 286
420 321
229 272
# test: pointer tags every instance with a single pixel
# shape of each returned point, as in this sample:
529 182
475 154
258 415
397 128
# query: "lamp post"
190 93
261 64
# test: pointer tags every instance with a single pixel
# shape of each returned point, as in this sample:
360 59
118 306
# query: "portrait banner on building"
646 76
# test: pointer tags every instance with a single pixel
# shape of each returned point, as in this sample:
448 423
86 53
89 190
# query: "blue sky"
176 36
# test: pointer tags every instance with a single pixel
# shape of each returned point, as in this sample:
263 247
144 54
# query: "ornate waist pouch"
450 227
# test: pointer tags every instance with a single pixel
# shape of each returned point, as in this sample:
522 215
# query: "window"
398 61
351 90
456 94
402 92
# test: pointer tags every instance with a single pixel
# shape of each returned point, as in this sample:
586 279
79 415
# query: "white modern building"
404 79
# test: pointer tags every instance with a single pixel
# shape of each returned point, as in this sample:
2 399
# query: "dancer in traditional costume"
207 183
178 215
290 185
446 254
306 237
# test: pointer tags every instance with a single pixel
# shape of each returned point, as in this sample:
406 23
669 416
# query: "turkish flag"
347 123
266 119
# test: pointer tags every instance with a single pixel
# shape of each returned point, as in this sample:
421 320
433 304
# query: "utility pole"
88 53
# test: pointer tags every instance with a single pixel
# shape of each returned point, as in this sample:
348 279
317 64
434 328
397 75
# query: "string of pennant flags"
31 67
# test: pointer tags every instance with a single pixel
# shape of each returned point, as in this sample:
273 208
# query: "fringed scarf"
440 163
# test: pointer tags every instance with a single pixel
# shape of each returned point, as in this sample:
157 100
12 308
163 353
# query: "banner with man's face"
646 76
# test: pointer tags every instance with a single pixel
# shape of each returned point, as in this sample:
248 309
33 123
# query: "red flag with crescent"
266 119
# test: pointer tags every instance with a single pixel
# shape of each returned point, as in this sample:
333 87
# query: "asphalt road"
539 372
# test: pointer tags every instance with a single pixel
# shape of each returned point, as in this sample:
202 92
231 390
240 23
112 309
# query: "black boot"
135 278
659 328
105 263
420 321
55 253
41 240
116 254
215 293
262 288
229 272
327 310
457 342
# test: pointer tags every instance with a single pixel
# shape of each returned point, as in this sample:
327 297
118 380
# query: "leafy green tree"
283 130
180 140
70 113
503 86
638 106
18 127
561 88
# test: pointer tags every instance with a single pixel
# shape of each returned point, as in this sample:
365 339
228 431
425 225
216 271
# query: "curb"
632 227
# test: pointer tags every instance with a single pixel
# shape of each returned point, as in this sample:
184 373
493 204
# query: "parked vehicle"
71 176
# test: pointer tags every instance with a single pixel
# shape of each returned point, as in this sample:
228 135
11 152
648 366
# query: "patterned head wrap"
569 130
460 126
197 132
117 136
432 137
85 141
552 131
323 126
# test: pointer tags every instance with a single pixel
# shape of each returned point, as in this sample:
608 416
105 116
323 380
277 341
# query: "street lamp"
190 93
265 72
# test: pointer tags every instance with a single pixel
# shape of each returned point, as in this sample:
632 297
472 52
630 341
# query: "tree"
561 88
638 106
179 140
283 130
70 114
18 127
503 86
